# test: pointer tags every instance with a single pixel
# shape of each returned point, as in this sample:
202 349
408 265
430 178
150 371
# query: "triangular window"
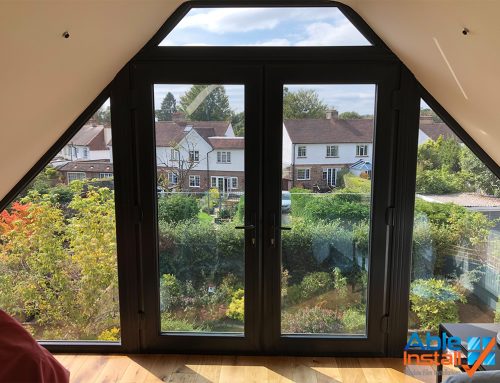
265 26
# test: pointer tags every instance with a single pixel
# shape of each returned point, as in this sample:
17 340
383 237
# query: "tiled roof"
320 131
436 129
99 166
169 133
89 134
227 142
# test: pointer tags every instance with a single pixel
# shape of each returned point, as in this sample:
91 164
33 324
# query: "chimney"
178 116
332 114
424 120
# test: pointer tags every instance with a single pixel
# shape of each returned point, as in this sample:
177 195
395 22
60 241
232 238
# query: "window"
75 152
194 156
85 153
174 155
72 176
234 183
361 150
455 275
270 26
301 151
105 175
303 174
224 157
213 182
194 181
332 150
58 263
172 178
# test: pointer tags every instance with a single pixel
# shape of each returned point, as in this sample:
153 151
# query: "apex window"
194 156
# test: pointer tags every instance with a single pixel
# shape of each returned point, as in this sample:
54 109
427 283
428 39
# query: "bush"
439 181
236 309
61 194
345 207
111 335
434 301
240 210
315 284
176 208
170 323
310 320
299 199
170 292
354 321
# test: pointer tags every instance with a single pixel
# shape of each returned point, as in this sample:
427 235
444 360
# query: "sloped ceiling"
47 81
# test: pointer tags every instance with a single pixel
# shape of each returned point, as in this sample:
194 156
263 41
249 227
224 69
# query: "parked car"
286 201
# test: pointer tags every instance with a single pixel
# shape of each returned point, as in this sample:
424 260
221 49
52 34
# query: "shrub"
170 292
240 210
299 199
315 284
339 282
113 334
354 321
61 194
434 301
439 181
345 207
176 208
170 323
310 320
236 309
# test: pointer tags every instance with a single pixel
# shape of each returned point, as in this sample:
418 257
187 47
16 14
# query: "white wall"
316 154
237 160
99 155
287 156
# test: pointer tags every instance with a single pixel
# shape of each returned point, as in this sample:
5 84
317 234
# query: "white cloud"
273 43
324 34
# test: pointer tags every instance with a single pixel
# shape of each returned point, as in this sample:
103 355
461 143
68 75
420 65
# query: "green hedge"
176 208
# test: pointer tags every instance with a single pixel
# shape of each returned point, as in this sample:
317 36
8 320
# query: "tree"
206 103
478 175
350 116
238 123
167 109
304 103
102 116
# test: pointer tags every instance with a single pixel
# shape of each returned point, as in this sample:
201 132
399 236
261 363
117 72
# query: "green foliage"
345 207
314 320
238 124
439 181
434 301
111 335
315 284
339 282
167 109
170 292
171 323
240 210
355 184
102 116
478 175
354 321
350 116
176 208
236 309
300 197
304 103
497 313
203 103
440 154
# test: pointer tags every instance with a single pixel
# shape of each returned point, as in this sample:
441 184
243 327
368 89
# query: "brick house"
91 169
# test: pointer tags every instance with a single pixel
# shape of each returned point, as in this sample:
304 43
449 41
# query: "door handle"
246 227
274 230
285 228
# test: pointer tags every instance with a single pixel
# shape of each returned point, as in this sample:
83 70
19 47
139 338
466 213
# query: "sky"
281 26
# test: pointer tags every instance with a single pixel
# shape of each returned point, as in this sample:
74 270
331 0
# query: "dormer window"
224 157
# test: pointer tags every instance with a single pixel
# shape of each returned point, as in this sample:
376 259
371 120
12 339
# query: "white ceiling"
47 81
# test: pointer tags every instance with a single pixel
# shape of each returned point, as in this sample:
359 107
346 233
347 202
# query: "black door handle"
246 227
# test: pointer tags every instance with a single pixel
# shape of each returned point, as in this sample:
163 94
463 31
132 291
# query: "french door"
224 267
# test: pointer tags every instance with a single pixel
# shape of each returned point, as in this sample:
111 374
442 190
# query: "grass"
204 217
357 184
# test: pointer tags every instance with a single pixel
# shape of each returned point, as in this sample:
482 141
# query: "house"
199 155
90 169
315 150
431 130
92 142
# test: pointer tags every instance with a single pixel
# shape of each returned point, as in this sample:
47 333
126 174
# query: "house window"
105 175
194 156
75 152
303 174
301 151
85 152
174 155
234 182
332 151
224 157
194 181
172 178
72 176
213 182
329 175
361 150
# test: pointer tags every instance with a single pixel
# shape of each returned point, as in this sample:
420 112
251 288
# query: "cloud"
324 34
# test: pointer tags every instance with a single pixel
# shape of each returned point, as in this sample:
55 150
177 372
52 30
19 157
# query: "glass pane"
456 232
326 202
201 182
282 26
58 270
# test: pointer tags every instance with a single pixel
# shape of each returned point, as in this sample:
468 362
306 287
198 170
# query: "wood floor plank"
236 369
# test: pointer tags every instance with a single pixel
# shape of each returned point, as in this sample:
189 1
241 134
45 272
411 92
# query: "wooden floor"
236 369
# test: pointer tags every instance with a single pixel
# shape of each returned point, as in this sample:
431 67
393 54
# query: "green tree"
206 103
480 178
350 116
440 154
102 116
304 103
167 109
238 123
